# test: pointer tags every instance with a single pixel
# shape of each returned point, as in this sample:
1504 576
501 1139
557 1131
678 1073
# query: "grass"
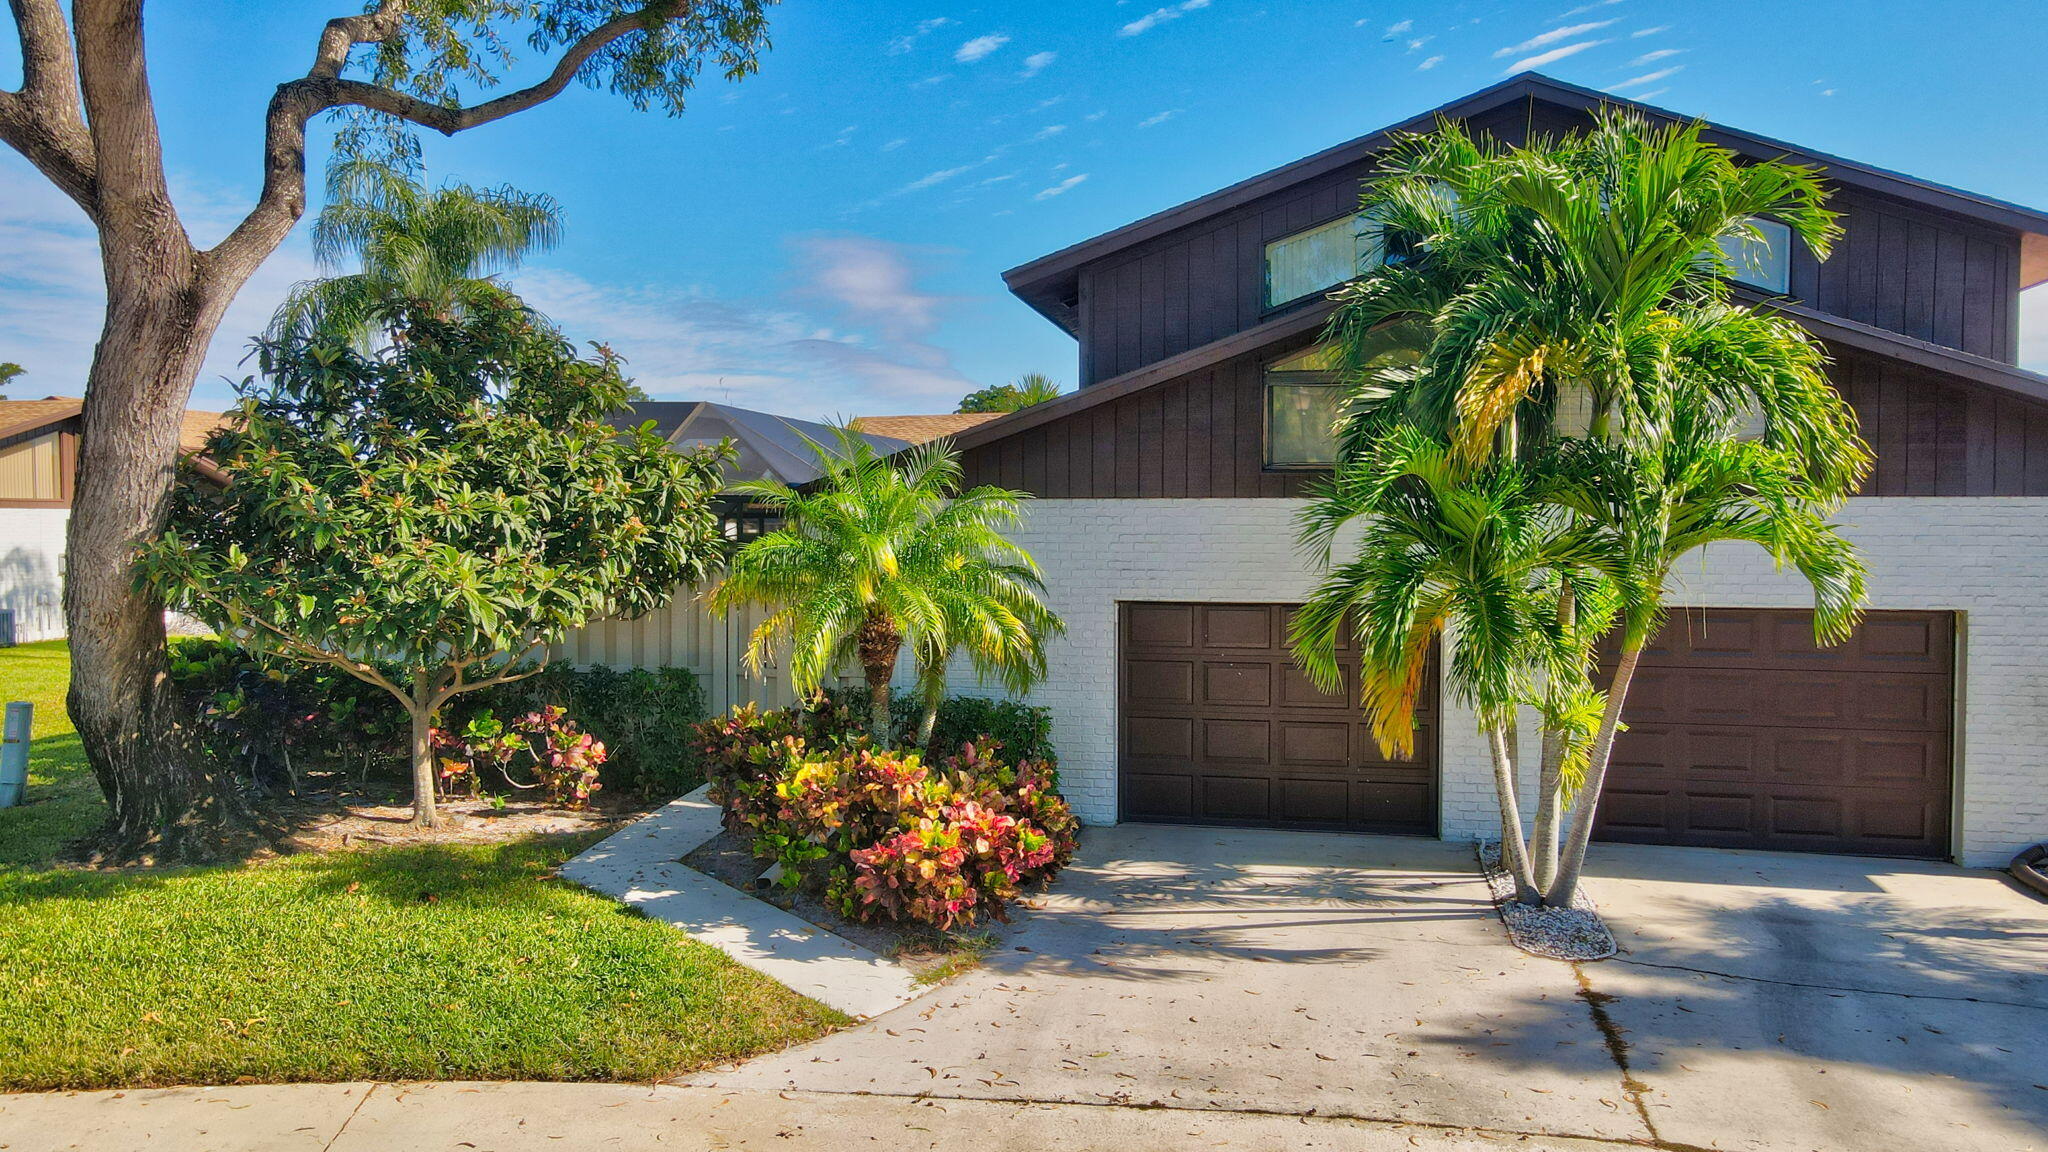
434 962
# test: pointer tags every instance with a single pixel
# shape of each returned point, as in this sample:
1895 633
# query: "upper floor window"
33 470
1303 403
1763 260
1322 257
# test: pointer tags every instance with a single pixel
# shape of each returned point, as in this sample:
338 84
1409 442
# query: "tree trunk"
1514 854
877 646
932 691
424 812
165 802
1573 860
1549 811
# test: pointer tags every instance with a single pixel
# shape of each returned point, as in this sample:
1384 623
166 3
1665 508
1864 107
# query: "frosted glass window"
1322 257
1301 424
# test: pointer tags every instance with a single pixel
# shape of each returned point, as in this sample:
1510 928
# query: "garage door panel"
1788 745
1217 725
1160 681
1237 685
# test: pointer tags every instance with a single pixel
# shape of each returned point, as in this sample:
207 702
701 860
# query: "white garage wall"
32 570
1984 557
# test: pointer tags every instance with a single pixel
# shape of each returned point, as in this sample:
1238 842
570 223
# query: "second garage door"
1217 726
1742 733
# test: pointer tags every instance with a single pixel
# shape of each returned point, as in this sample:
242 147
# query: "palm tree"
1576 292
8 372
1478 553
443 248
880 552
1030 389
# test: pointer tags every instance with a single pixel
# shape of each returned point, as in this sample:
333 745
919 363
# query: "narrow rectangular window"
1765 262
1321 257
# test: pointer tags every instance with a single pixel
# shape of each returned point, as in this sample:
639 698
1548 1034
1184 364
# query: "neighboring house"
1169 482
38 466
685 634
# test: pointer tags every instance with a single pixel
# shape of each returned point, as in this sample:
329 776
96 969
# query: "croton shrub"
889 834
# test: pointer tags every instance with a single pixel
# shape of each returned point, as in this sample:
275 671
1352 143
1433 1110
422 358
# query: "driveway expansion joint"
360 1101
1832 987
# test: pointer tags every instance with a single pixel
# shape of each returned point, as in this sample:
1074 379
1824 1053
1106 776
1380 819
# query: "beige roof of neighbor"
920 429
19 416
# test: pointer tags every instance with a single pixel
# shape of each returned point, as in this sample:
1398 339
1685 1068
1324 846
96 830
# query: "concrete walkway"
640 865
624 1118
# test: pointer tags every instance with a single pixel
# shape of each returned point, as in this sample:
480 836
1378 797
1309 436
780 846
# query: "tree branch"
283 199
44 120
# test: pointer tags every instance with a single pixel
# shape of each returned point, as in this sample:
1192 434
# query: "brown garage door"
1217 726
1744 734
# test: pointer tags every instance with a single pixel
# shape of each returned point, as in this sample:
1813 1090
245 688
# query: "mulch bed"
927 953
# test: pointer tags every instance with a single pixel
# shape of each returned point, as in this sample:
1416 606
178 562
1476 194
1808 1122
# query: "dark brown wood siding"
1202 435
1936 277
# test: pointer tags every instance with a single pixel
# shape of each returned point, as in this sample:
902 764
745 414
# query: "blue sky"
827 238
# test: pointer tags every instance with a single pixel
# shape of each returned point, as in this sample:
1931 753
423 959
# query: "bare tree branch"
283 199
44 121
133 198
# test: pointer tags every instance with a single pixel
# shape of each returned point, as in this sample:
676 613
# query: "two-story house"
1169 482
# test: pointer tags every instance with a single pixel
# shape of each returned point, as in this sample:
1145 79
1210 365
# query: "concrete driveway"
1763 1000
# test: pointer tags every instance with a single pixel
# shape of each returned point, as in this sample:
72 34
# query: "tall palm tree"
1577 290
443 248
882 552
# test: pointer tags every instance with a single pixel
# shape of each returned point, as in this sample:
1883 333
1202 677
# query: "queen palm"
443 249
883 552
1578 288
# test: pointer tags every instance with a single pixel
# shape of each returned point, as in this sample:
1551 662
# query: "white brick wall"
1986 558
32 570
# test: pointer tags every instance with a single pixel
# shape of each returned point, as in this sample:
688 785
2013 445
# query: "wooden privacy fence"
687 634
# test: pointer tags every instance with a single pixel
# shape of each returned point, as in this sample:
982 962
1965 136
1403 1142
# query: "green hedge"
277 718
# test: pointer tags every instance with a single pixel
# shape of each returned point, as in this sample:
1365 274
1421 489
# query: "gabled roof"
769 446
1050 283
922 429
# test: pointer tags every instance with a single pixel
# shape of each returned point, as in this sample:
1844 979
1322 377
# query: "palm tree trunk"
931 684
877 646
1514 853
1573 861
1549 811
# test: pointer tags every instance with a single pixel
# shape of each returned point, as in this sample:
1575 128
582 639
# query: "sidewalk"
461 1117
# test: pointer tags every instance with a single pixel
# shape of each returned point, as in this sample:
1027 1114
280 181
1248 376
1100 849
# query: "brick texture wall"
1986 558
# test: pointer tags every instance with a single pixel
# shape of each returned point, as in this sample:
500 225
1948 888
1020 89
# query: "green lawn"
451 962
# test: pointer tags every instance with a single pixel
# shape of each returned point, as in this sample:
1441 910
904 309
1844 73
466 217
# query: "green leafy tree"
1574 293
1029 389
432 518
882 552
440 250
9 372
84 115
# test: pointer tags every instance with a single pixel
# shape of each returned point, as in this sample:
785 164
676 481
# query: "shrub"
888 834
1023 729
276 720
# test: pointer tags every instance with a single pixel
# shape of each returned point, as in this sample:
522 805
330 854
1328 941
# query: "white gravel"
1575 933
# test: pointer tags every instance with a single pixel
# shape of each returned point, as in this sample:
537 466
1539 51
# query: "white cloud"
1827 91
1038 62
1426 65
1552 56
1061 188
1639 33
1653 57
1582 9
908 41
1648 78
979 48
1158 16
1049 131
1552 37
868 280
1417 43
53 300
893 145
1396 29
933 179
1158 118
